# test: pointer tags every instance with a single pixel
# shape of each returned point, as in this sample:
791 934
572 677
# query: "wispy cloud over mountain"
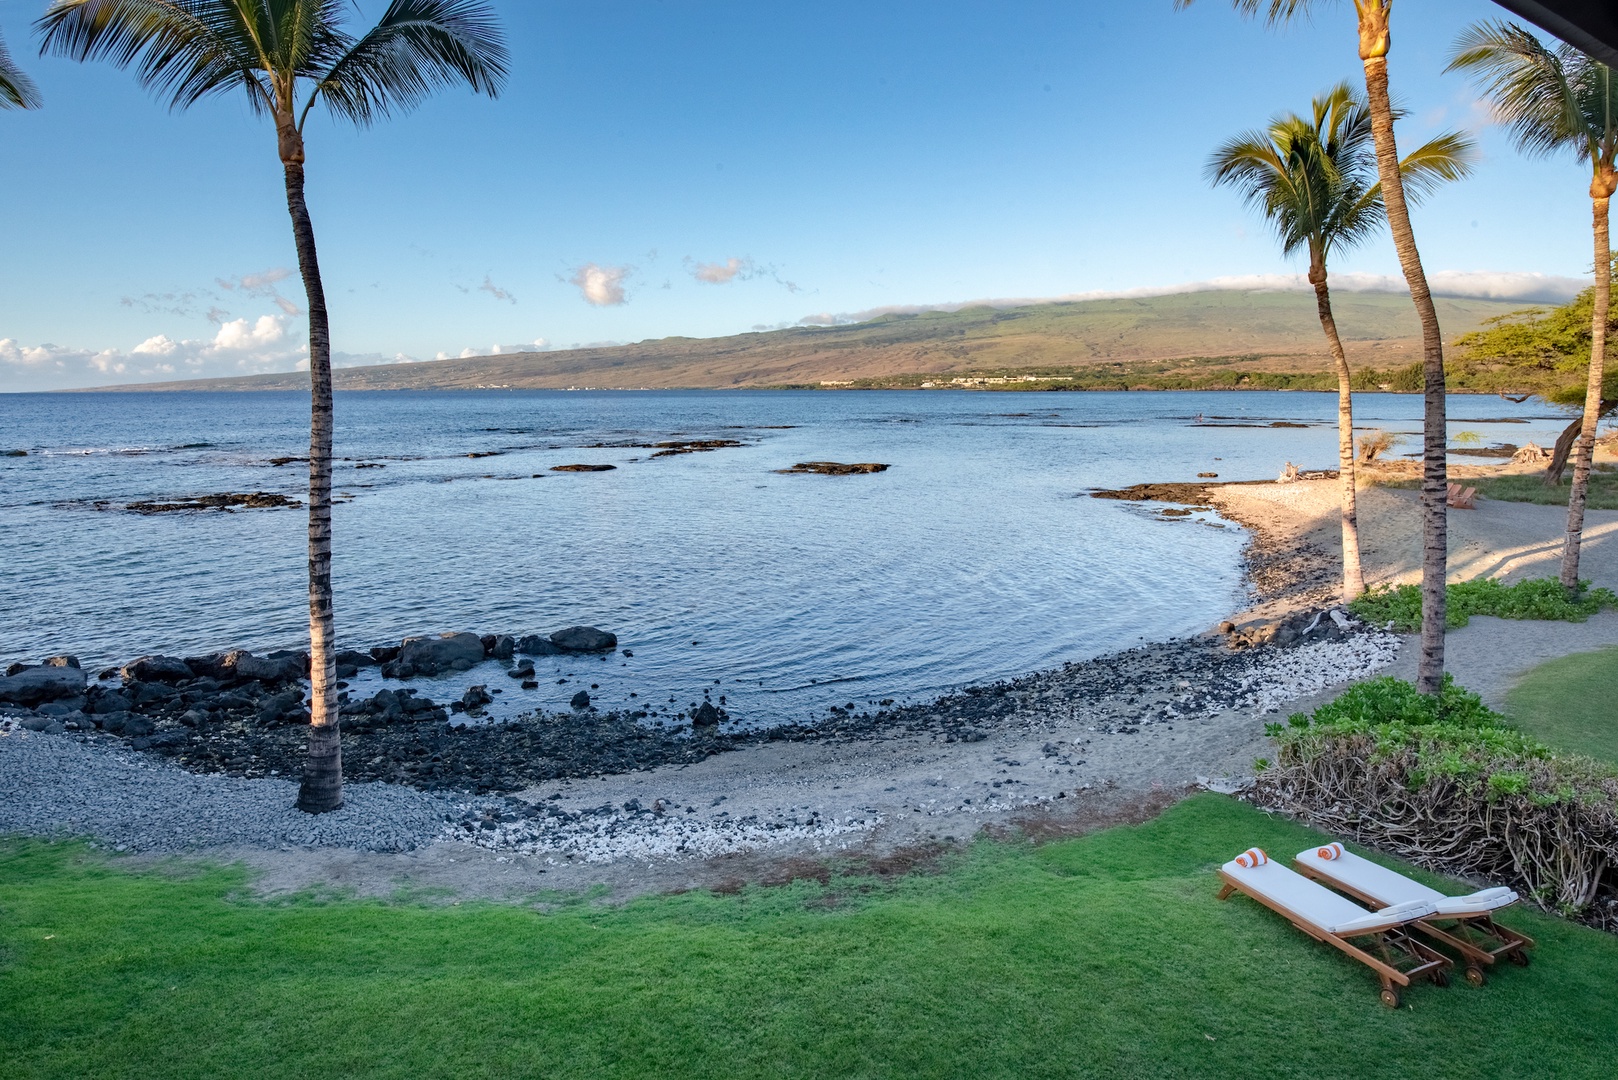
1529 288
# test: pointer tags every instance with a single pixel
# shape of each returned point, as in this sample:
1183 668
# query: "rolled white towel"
1252 857
1333 850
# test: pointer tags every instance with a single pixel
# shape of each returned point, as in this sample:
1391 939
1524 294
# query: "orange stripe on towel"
1252 857
1331 851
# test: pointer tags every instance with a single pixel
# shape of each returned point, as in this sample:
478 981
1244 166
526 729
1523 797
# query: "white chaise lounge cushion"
1367 878
1314 903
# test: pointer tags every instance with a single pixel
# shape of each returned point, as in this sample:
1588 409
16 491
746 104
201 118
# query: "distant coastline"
1191 341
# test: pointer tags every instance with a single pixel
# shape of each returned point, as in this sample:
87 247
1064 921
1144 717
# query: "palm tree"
17 90
287 55
1315 180
1373 18
1553 100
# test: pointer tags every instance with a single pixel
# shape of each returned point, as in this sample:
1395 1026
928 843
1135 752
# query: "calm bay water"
977 555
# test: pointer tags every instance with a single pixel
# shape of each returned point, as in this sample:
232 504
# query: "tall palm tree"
17 90
1315 180
1373 16
1556 99
287 55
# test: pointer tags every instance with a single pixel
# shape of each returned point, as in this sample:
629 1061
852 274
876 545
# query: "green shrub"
1540 598
1443 780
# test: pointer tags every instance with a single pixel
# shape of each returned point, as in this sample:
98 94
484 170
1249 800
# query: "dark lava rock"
1187 494
475 698
499 646
274 668
382 654
582 468
584 639
530 684
227 501
355 659
581 700
706 715
835 468
537 645
62 661
166 669
16 453
524 670
35 685
693 446
446 652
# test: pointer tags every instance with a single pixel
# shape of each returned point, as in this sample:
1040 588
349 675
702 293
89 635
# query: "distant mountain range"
1190 339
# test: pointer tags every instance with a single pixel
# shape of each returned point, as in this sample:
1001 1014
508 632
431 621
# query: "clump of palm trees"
287 56
1553 99
1314 178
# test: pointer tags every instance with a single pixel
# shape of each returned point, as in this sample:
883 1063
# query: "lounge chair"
1464 923
1385 945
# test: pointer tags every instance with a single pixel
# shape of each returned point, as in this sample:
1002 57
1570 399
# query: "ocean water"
977 555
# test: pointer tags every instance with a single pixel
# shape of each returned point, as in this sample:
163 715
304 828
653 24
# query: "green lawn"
1601 494
1568 704
1103 956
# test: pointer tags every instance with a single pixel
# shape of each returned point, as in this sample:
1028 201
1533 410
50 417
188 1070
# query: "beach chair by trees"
1464 923
1380 940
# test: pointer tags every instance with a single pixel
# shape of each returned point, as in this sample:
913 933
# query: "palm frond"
1436 162
1273 12
17 90
417 46
181 49
1535 90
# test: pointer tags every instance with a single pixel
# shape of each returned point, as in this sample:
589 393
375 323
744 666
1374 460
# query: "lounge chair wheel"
1475 976
1519 957
1390 998
1440 977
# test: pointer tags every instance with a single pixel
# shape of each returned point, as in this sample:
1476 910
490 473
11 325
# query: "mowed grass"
1105 956
1600 494
1568 704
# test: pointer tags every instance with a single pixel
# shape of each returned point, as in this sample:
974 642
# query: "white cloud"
238 347
602 286
1520 286
237 335
722 273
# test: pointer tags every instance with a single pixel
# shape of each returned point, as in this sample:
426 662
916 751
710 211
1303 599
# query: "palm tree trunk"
1353 577
1435 435
322 787
1585 450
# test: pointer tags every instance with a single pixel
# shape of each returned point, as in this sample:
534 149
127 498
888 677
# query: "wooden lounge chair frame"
1477 937
1397 957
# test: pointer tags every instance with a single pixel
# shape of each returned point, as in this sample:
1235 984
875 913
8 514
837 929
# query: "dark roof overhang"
1590 25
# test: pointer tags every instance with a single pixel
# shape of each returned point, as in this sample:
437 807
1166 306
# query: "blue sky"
662 168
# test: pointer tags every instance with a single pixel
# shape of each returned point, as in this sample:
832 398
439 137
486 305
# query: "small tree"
1556 100
286 56
1314 179
17 90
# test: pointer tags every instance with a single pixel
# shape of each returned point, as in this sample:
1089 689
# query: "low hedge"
1540 598
1446 782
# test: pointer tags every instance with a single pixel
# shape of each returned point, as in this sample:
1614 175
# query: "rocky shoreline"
565 787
